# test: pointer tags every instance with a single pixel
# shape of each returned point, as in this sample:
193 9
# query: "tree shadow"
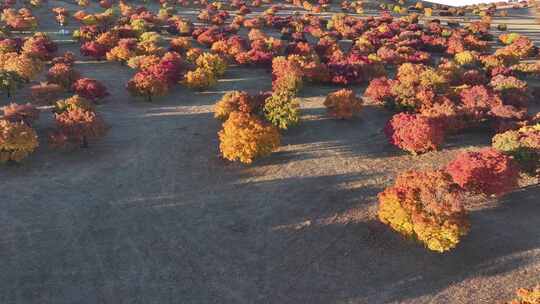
365 262
318 136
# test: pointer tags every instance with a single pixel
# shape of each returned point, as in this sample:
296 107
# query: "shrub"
212 62
474 77
90 89
477 101
379 90
21 20
527 296
425 206
505 83
486 171
45 93
94 49
63 74
520 48
523 145
10 81
409 73
27 67
67 58
507 117
465 58
286 75
147 85
245 138
17 141
432 79
509 38
238 101
9 45
40 46
446 113
26 113
149 48
282 110
180 44
125 49
72 103
192 55
108 39
143 62
167 68
414 133
343 104
77 126
150 37
200 79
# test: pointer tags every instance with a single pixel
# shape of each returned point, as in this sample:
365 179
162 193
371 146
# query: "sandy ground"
151 214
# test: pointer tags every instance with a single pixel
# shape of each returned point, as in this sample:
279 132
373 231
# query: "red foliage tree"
147 85
477 101
26 113
169 68
486 171
379 90
90 89
40 46
94 49
414 133
63 74
77 126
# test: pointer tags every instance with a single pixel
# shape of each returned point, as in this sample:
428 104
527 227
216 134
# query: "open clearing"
152 214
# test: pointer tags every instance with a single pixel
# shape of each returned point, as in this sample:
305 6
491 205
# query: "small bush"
286 75
90 89
238 101
212 62
72 103
486 171
94 49
505 83
477 102
26 113
125 49
282 110
143 62
343 104
10 81
17 141
425 206
527 296
77 126
379 90
200 79
39 46
244 138
523 145
63 74
147 85
465 58
180 44
27 67
414 133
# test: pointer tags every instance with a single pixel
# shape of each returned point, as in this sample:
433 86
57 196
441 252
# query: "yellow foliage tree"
343 104
17 141
244 138
425 206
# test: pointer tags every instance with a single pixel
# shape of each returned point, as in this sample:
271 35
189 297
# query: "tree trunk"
84 143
